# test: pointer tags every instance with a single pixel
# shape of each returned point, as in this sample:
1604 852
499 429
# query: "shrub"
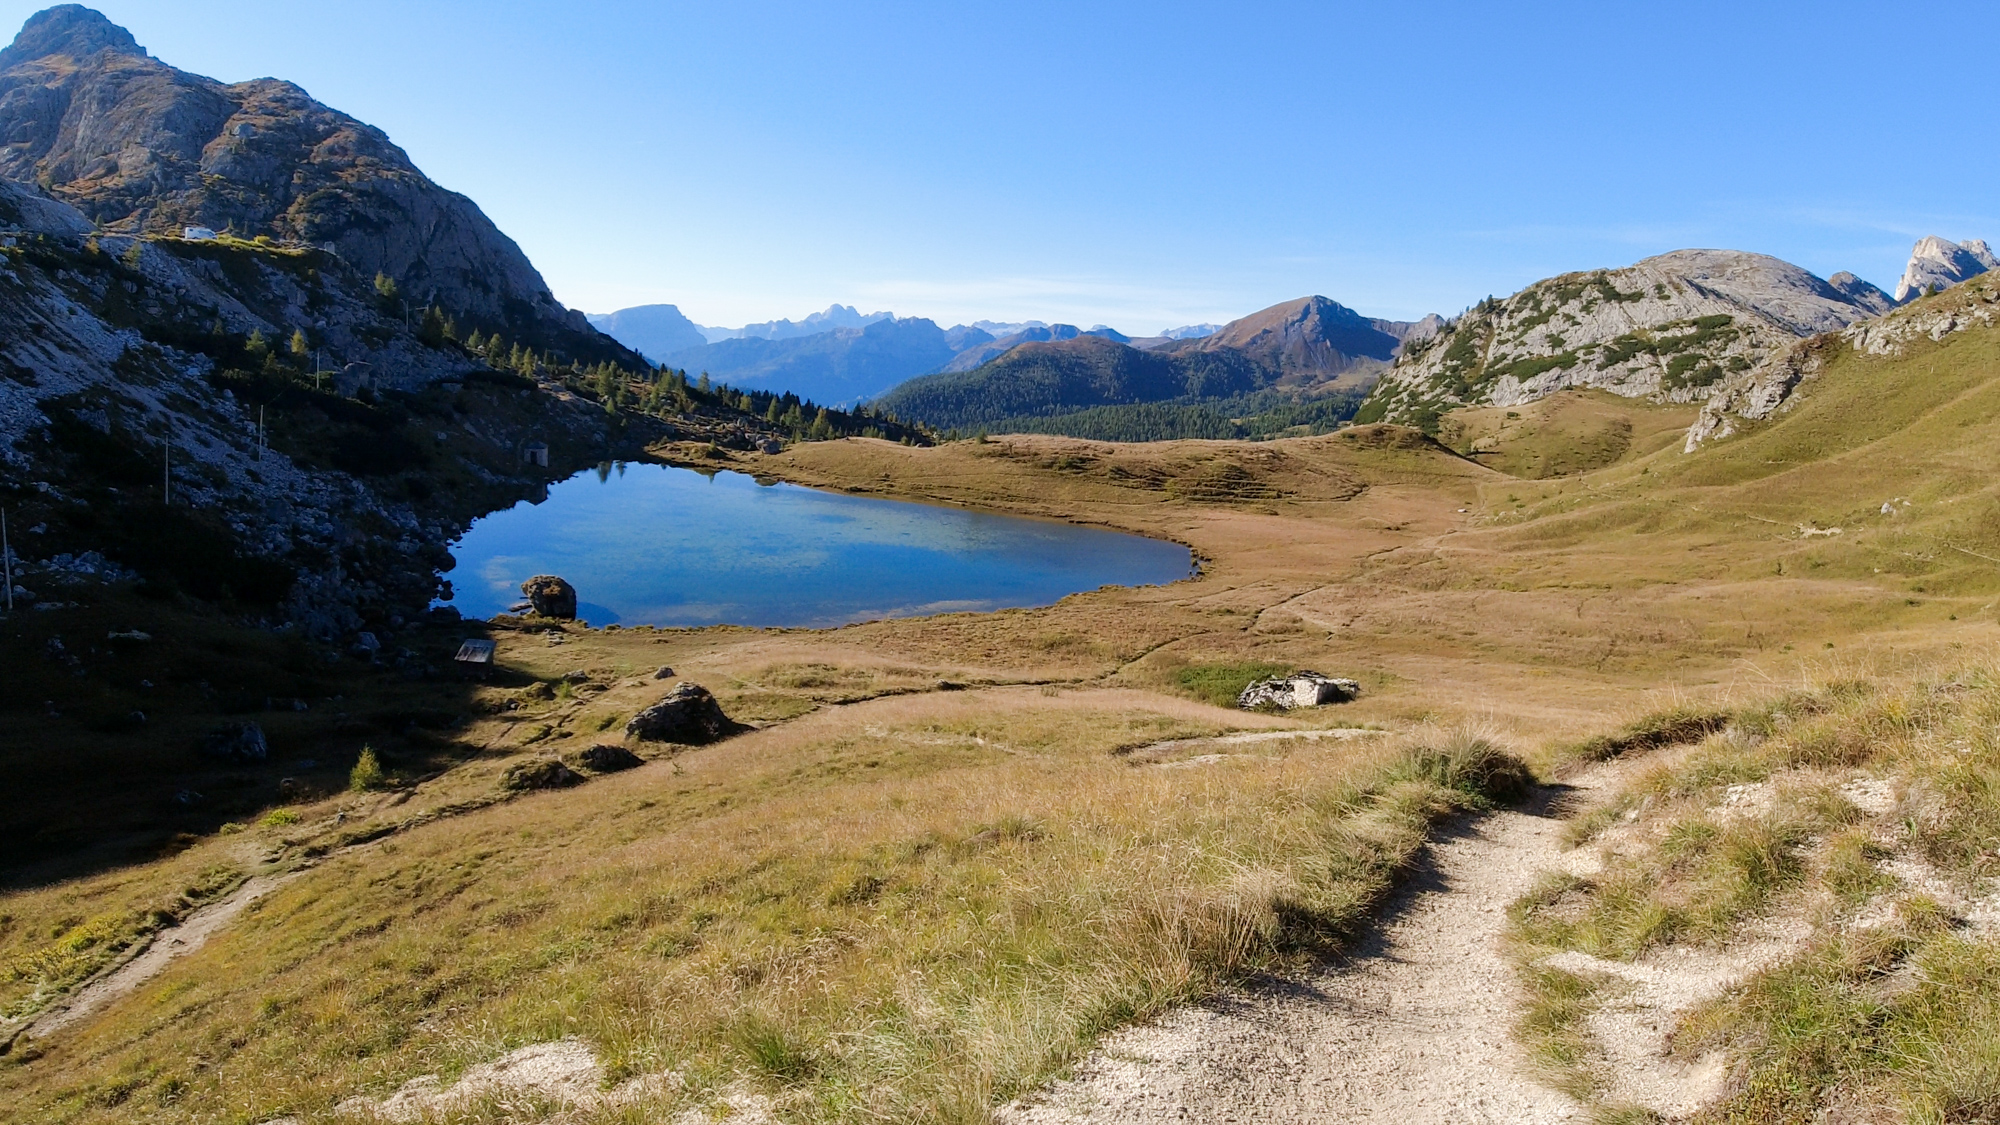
367 772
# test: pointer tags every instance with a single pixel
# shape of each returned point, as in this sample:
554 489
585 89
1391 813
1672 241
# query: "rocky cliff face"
1671 327
153 414
1938 264
138 146
1769 388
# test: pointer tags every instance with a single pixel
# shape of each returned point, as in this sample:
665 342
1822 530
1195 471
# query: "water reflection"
665 546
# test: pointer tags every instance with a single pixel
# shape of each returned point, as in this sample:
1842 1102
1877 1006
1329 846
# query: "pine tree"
300 346
386 288
704 386
257 345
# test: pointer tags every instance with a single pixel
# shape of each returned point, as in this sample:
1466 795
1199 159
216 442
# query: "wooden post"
7 559
167 473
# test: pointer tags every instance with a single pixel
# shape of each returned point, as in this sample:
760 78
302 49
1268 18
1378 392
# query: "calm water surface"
653 545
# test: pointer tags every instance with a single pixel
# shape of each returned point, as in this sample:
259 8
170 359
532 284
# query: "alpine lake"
648 544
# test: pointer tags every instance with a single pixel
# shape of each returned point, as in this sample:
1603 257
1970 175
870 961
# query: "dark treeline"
1252 417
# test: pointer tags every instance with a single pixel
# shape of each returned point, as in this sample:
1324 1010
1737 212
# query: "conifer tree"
300 346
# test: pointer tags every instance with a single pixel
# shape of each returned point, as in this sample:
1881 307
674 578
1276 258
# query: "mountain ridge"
1668 327
141 147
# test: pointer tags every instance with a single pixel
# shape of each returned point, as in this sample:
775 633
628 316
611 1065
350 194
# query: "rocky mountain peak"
1938 263
142 148
1670 327
68 30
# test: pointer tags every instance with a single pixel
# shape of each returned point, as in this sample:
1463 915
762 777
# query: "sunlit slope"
1567 433
1881 468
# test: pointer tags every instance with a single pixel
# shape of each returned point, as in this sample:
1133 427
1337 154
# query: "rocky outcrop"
139 146
608 759
1670 328
688 714
550 597
1770 387
1300 689
1939 264
543 773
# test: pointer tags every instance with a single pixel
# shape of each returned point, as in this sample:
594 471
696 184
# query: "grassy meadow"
950 854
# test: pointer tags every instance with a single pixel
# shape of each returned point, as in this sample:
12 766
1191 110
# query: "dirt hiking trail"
1414 1027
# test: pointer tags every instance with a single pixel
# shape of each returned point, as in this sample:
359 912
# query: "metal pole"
7 559
167 473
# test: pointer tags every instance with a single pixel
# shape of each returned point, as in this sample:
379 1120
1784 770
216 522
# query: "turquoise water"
653 545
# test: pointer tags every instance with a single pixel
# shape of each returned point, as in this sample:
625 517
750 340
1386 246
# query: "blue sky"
1143 164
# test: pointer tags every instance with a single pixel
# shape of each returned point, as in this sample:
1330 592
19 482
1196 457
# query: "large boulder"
1300 689
689 714
551 596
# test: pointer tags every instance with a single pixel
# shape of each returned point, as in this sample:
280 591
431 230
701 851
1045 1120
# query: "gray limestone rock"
136 144
1936 263
1300 689
1668 328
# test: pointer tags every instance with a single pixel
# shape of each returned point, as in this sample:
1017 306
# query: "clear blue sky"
1143 164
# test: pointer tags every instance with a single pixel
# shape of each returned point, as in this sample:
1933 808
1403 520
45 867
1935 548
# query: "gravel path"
1414 1028
168 946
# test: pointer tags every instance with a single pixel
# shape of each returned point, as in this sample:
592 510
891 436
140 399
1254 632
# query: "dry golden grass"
900 901
901 911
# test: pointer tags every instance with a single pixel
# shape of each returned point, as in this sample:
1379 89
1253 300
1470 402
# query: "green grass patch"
1221 683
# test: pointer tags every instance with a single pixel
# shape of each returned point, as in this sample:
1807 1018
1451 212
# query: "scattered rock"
665 673
551 596
1300 689
236 742
543 773
608 759
689 714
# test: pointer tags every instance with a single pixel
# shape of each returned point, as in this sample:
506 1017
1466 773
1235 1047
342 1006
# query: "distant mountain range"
1311 346
842 356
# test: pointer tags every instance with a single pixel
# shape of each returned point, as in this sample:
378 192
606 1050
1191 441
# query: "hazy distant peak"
835 316
71 31
1007 327
1190 331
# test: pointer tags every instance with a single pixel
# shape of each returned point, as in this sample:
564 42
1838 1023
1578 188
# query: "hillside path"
1414 1028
